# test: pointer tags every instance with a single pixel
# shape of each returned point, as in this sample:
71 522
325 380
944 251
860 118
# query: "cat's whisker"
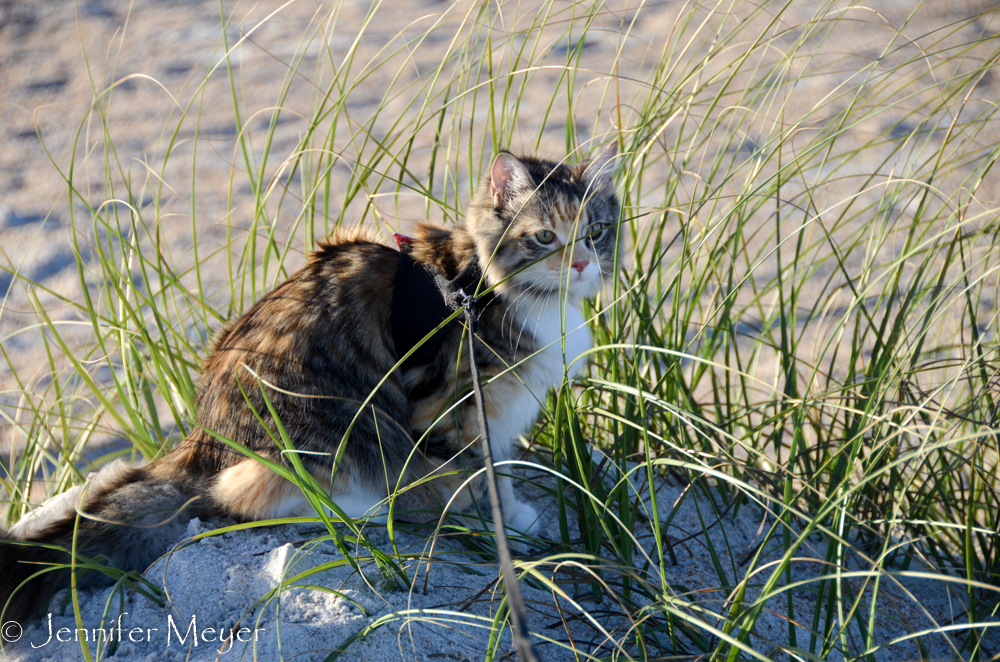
544 304
511 310
534 283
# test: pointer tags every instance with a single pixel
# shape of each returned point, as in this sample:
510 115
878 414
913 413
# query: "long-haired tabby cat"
544 234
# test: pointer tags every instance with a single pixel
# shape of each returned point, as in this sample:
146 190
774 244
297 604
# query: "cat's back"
332 313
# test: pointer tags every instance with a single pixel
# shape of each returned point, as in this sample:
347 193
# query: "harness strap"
520 634
422 299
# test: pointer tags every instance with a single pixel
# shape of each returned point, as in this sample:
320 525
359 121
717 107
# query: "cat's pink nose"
580 265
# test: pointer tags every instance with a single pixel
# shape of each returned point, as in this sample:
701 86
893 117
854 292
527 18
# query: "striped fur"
321 345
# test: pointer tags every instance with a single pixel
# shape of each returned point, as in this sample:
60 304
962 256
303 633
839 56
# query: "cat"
542 233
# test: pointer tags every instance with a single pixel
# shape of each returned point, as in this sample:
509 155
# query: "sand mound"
288 592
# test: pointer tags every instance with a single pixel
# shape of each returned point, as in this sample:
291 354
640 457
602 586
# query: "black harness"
424 298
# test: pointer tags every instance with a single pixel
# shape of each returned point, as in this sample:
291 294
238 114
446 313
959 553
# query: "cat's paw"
525 520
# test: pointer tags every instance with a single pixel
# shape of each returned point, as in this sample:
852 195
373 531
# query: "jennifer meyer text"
172 632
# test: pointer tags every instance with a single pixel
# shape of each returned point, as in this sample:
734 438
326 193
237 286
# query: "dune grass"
804 326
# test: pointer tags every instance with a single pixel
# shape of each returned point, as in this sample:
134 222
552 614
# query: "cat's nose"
580 265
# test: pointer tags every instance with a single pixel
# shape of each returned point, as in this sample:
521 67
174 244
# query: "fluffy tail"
129 516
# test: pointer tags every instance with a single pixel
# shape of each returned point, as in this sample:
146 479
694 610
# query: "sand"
223 584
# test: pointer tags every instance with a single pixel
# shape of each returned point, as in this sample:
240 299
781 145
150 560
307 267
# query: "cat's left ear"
508 177
599 175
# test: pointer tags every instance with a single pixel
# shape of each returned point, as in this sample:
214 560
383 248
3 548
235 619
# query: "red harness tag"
401 240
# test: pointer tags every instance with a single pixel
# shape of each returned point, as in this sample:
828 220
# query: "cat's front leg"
510 410
524 518
518 515
464 495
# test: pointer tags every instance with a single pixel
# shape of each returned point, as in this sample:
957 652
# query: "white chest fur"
548 326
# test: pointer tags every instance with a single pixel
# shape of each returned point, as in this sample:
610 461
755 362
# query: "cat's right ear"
508 178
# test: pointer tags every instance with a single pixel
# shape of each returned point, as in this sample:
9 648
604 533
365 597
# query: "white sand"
224 581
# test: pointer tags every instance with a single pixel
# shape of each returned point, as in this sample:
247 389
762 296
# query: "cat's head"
542 228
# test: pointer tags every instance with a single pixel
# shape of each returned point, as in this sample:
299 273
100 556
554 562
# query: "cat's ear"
599 174
508 178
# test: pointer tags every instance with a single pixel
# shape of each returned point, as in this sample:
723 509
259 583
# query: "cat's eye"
545 237
597 229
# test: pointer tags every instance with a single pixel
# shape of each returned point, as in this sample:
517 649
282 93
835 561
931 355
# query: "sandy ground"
156 55
228 583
